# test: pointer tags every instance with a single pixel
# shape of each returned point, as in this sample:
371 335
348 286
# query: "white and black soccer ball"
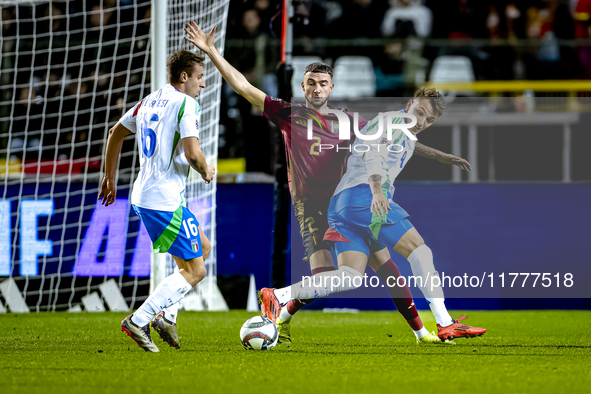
259 333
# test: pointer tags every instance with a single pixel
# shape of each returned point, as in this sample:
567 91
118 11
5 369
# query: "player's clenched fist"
209 174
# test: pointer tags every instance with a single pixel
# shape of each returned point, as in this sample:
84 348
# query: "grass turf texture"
523 351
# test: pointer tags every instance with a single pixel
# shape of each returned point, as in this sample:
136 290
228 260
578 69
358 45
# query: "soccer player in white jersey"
166 124
362 212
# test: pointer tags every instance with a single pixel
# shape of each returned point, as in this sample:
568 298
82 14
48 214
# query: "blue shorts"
175 232
354 227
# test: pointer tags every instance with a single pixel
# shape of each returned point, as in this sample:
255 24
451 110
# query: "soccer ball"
259 333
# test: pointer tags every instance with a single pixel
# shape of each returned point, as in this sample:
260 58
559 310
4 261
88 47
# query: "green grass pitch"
523 351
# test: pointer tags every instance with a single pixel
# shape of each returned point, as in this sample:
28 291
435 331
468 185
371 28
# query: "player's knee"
414 242
200 273
375 261
423 251
321 259
196 274
409 244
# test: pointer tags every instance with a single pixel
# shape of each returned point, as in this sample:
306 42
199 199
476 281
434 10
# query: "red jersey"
313 173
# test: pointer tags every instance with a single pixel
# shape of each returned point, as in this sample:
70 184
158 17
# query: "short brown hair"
436 98
318 68
180 61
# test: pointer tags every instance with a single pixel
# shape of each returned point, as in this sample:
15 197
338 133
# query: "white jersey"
377 157
162 119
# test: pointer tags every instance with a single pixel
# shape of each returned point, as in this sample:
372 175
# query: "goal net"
68 71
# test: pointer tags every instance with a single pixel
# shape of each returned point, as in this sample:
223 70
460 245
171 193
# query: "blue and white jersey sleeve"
189 114
377 156
388 157
374 160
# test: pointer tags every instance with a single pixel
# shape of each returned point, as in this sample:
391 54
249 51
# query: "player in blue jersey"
362 212
166 124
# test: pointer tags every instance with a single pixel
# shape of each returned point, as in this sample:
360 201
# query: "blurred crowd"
72 66
504 24
503 40
421 18
69 67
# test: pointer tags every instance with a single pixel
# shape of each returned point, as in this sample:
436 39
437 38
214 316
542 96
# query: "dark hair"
318 68
180 61
437 100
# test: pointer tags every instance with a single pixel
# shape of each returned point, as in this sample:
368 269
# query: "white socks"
321 285
440 312
171 312
168 293
285 316
421 333
421 263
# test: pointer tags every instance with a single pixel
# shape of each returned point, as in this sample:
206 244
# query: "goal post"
68 71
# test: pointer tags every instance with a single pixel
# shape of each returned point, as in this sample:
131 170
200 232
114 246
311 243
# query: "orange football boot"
270 306
459 330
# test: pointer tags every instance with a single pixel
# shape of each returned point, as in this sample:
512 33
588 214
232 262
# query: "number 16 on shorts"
188 225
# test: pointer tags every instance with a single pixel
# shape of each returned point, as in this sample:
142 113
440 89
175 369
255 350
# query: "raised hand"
198 38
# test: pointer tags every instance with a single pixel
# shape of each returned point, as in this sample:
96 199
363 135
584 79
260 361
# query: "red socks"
322 269
400 295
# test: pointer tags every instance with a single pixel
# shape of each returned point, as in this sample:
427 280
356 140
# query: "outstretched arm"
235 79
112 150
445 158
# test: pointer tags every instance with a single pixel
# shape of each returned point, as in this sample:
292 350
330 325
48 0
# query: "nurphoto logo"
345 125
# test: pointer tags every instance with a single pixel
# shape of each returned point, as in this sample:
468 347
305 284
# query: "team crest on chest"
334 127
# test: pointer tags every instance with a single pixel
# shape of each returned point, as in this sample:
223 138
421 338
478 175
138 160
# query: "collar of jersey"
168 84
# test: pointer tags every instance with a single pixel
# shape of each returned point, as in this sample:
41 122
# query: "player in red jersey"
313 174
